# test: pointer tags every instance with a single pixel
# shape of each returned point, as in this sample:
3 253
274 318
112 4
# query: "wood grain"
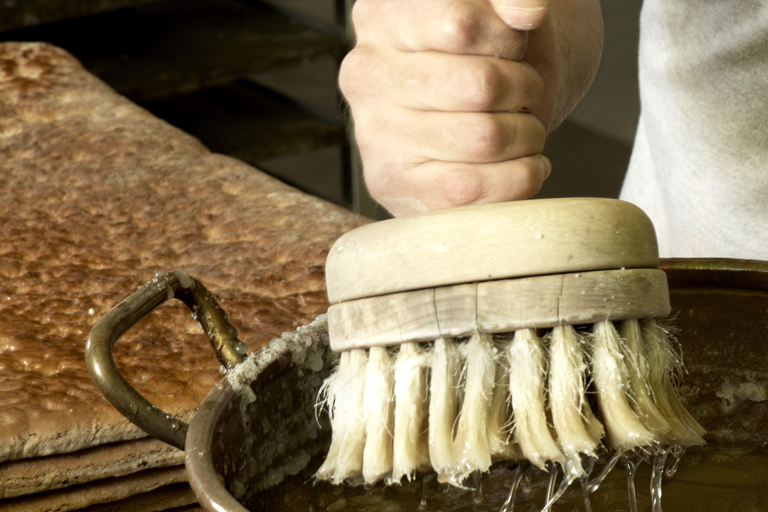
490 242
499 306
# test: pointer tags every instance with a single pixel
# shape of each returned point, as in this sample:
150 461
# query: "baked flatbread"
96 195
29 476
104 491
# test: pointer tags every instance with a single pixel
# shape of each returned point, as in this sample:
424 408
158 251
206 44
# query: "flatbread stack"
96 195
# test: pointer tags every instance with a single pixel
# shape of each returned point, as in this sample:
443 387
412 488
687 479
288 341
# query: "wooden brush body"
515 308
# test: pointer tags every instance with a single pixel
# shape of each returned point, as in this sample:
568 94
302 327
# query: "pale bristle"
443 407
527 381
379 415
685 430
344 393
411 445
454 406
640 391
500 414
578 430
473 450
624 429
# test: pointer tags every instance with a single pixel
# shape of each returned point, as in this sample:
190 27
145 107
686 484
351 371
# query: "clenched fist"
452 100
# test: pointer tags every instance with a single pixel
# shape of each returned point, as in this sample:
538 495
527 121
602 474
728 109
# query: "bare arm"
452 99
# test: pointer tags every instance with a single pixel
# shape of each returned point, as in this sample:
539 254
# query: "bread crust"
96 195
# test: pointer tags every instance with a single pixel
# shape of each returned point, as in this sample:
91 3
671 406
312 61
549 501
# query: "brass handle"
101 365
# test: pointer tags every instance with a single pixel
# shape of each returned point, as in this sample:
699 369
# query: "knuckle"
485 138
353 72
462 188
482 87
488 85
460 28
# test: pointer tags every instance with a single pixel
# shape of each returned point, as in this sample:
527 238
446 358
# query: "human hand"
451 99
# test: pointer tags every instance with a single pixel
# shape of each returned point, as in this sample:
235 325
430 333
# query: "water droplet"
677 455
241 348
631 494
185 280
589 465
510 503
424 485
175 425
595 483
477 487
222 369
657 474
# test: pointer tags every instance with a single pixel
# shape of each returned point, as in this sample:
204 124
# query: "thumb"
522 14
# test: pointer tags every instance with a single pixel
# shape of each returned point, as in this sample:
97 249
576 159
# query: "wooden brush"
512 331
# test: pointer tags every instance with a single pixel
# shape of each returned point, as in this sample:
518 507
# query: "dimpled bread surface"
96 195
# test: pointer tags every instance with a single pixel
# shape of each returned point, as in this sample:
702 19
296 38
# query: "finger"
440 81
437 185
470 27
522 14
450 137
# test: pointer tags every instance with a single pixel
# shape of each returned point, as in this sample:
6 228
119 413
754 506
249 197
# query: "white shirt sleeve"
699 166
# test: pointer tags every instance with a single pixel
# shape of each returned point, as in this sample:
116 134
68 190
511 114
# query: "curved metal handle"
98 350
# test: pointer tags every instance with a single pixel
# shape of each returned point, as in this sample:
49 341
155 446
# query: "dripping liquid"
705 479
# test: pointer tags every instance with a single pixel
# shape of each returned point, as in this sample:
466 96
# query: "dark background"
257 80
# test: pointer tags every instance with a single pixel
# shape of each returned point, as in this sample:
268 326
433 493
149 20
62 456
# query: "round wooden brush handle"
490 242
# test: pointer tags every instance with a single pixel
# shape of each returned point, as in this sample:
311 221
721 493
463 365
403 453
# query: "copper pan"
258 424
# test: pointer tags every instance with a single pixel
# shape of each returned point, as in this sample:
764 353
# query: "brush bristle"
472 446
578 430
379 415
443 405
527 385
411 445
454 406
344 397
